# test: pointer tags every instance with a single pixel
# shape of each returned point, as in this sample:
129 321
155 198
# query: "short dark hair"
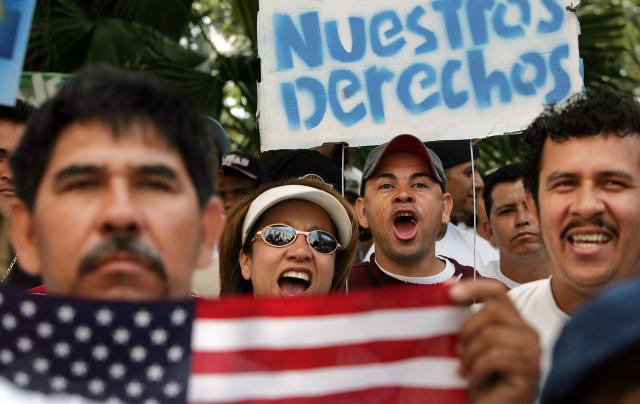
505 174
599 113
18 114
117 99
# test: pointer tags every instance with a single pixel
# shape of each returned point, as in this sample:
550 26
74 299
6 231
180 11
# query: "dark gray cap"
220 138
404 144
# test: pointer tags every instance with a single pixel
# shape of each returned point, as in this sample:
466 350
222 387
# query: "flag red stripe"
409 296
256 360
382 395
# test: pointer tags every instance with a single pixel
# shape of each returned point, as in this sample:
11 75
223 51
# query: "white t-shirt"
458 244
493 271
537 306
444 275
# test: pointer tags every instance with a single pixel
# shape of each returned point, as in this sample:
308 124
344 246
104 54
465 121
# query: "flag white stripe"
322 331
440 373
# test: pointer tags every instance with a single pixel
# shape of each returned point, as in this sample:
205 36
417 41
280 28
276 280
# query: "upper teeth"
405 214
590 238
296 274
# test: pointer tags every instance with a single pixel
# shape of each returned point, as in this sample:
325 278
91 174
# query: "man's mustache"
130 245
598 221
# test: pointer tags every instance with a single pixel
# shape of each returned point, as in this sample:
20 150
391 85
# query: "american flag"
378 346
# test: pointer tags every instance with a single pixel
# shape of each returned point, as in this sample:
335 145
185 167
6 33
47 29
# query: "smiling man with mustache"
512 229
116 177
583 172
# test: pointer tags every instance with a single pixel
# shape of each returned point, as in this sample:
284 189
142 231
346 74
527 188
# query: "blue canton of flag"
113 352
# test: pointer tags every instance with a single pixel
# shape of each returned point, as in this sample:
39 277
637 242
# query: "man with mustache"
512 229
583 175
460 169
116 177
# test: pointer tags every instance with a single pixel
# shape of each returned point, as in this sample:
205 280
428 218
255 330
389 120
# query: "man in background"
461 172
13 121
242 175
512 229
12 124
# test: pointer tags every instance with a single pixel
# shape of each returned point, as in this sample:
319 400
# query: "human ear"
361 214
488 230
447 206
245 265
212 225
22 234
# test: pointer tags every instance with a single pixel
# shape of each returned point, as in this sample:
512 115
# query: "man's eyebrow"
560 174
77 169
422 174
505 205
385 175
160 170
617 173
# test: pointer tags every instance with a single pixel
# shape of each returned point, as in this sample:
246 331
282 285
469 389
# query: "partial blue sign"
363 72
15 24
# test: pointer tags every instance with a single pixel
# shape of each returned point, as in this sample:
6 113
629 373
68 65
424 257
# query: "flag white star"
178 316
117 371
121 336
100 352
79 368
138 353
174 354
104 316
134 389
6 357
62 349
21 379
24 344
28 308
96 386
58 383
142 318
44 330
155 372
171 389
9 321
40 365
159 336
83 333
66 313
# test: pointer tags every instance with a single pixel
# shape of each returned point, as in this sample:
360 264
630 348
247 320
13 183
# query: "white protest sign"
362 72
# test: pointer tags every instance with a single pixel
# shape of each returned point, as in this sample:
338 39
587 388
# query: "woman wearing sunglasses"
289 239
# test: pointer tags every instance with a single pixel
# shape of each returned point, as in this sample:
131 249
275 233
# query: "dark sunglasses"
282 235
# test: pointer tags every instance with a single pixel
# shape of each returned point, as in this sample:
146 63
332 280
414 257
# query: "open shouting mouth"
294 282
405 225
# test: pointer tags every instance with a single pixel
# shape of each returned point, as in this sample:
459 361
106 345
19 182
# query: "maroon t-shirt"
368 274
